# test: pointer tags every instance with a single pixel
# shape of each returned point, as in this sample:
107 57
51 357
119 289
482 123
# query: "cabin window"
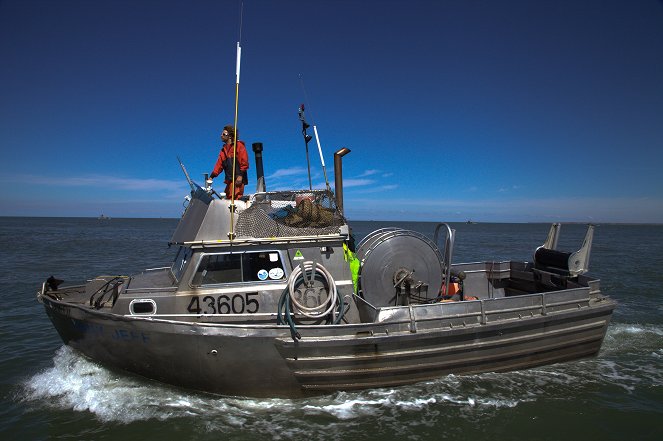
244 267
260 266
219 268
181 260
142 307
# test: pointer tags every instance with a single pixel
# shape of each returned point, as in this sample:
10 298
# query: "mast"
231 234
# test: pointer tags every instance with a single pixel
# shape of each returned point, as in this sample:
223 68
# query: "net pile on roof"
290 214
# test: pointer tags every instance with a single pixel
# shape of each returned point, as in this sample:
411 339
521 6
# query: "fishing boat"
269 296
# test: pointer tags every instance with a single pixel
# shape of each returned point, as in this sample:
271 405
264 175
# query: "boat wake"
632 357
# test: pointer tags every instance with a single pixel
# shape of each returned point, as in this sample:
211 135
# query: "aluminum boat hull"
426 342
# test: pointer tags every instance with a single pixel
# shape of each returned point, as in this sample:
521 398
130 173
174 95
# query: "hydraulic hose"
323 308
285 314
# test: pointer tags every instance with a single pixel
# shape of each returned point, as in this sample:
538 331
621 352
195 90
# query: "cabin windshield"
253 266
181 260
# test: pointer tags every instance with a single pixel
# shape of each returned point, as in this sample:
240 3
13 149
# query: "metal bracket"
413 322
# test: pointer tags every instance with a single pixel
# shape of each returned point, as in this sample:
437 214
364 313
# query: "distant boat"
103 217
470 221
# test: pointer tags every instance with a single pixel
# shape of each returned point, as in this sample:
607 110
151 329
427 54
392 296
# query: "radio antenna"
307 138
231 234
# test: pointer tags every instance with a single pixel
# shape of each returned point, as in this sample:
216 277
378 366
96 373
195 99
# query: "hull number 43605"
244 303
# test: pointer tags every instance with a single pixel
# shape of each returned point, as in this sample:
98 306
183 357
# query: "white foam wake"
79 384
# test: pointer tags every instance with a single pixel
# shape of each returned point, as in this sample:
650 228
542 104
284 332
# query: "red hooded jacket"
226 153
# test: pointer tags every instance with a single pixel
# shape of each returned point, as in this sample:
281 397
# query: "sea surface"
49 391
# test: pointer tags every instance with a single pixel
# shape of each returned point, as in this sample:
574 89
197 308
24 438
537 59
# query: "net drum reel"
399 267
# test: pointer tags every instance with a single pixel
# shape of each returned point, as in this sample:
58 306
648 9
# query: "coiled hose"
332 307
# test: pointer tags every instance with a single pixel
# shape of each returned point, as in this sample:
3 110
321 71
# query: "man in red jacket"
225 163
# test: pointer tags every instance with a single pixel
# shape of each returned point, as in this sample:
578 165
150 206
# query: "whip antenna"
322 158
231 234
307 138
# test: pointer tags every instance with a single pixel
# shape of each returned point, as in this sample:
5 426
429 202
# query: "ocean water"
49 391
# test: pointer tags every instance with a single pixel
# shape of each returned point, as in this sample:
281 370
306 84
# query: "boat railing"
109 290
60 293
484 311
539 304
341 233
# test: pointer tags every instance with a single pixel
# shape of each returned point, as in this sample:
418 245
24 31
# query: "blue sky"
507 111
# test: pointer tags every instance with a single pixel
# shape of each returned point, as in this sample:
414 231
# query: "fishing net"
290 214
